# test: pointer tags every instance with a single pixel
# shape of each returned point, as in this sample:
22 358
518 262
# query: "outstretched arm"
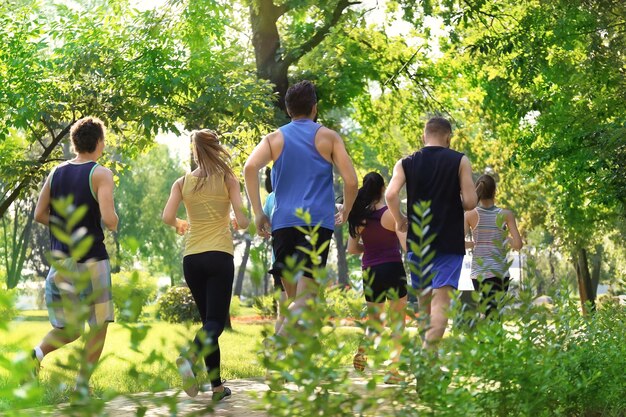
103 185
42 210
344 165
234 193
516 240
392 196
259 158
468 190
171 207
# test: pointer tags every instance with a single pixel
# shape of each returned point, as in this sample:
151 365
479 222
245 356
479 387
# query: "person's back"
302 178
380 245
442 177
208 209
432 174
489 251
75 179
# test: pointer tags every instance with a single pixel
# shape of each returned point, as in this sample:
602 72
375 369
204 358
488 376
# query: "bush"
344 303
265 306
131 292
177 306
7 307
235 307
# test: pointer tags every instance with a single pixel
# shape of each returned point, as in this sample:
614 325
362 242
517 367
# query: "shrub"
177 306
131 292
265 305
7 308
235 307
344 303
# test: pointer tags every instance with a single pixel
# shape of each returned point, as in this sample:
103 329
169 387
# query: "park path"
244 402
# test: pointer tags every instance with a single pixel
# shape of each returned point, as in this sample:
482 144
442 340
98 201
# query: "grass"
153 358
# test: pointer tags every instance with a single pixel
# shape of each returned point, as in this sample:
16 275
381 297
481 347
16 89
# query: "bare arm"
469 244
516 240
259 158
42 210
344 165
171 207
392 196
103 185
354 246
234 193
468 190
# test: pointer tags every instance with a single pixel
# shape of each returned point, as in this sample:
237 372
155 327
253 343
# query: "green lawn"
239 348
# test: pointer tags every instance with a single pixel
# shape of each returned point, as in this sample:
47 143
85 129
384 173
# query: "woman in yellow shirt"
208 194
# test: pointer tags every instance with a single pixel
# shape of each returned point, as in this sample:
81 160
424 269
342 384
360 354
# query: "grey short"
82 293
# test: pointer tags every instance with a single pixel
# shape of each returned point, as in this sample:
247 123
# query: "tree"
144 186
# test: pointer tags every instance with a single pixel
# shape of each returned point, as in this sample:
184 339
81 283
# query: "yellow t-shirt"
208 214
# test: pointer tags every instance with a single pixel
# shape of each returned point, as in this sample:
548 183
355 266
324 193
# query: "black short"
384 282
286 242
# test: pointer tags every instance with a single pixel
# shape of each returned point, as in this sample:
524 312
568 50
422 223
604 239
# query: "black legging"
209 276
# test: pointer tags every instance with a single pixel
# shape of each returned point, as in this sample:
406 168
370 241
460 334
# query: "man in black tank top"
72 300
442 177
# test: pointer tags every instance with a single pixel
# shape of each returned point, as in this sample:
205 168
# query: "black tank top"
75 179
432 174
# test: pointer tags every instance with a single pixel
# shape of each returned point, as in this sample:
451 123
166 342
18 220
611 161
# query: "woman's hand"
182 226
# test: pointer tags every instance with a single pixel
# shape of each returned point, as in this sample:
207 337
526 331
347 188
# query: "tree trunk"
584 280
596 269
342 261
16 246
242 268
272 63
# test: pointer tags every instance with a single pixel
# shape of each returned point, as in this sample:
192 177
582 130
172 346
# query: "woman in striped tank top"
494 231
373 234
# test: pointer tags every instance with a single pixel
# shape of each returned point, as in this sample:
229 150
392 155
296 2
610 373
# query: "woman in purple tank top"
373 234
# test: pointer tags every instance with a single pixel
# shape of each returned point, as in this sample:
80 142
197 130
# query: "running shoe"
221 395
190 385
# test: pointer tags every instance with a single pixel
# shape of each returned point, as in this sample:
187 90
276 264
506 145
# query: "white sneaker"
190 385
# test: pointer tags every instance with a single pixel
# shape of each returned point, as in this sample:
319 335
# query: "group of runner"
303 154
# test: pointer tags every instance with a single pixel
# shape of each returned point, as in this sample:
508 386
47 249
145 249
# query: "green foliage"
344 303
142 235
177 306
265 306
7 307
132 291
235 307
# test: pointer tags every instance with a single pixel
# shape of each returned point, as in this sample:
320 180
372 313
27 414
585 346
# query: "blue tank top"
302 178
75 179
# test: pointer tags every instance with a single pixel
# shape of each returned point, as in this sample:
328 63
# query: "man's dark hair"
86 133
438 126
300 99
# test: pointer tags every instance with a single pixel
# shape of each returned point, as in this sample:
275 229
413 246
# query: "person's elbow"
242 224
353 250
111 222
391 196
516 244
168 218
470 201
41 216
250 170
351 181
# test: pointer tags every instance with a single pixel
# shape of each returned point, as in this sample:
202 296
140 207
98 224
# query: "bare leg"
286 298
397 313
57 338
424 299
93 350
283 302
439 306
306 289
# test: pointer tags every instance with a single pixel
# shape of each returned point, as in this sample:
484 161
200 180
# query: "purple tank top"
381 245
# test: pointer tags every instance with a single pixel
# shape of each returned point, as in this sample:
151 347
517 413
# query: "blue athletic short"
445 267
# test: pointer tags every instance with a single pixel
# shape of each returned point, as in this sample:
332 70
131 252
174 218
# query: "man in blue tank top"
303 153
442 177
69 300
